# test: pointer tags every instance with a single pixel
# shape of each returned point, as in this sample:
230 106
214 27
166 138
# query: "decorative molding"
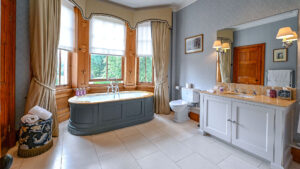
185 4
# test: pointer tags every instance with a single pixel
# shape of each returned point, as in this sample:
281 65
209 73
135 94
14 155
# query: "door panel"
253 128
216 115
7 75
248 64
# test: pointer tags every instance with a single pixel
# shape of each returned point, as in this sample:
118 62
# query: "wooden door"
249 64
217 115
253 128
7 75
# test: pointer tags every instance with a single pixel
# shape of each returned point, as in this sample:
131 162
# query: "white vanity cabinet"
253 128
261 129
217 113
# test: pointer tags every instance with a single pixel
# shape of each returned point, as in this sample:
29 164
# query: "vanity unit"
257 124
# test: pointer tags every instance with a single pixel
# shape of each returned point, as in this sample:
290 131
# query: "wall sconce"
287 35
221 47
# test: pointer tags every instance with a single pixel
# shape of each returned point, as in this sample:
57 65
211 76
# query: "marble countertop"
254 98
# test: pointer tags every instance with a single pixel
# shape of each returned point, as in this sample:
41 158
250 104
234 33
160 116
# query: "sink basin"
245 96
239 95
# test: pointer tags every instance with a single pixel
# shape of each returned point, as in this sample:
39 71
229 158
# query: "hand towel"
40 112
29 118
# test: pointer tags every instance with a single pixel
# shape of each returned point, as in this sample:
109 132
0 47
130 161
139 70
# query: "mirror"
255 56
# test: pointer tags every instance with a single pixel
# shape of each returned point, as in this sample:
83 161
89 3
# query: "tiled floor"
159 144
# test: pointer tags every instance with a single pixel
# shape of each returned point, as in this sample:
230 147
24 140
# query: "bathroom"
166 85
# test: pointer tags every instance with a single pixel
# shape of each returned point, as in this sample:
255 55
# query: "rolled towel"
30 118
40 112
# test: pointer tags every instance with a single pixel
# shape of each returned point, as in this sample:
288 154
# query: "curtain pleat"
44 37
225 61
161 54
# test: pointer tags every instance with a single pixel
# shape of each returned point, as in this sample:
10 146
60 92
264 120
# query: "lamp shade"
285 32
217 44
293 38
225 46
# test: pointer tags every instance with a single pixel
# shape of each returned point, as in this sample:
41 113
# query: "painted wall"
206 17
22 57
266 34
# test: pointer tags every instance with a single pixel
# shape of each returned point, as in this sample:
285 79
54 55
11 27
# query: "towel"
280 78
40 112
29 118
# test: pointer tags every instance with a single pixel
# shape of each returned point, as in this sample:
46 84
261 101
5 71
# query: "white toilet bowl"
181 110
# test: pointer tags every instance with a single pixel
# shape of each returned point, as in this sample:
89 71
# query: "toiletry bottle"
84 91
80 91
77 92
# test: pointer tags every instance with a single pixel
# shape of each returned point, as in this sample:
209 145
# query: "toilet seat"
177 103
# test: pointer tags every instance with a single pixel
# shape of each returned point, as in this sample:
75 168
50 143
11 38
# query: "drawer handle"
229 120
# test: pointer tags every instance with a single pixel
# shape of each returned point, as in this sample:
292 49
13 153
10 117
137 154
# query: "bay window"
107 49
66 43
144 53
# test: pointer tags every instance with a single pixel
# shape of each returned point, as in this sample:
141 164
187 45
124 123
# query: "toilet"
181 107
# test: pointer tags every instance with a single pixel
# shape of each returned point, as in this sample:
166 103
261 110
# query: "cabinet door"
253 128
217 115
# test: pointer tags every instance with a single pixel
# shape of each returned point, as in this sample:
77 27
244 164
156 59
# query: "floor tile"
127 131
120 159
157 161
207 148
139 146
195 161
233 162
172 148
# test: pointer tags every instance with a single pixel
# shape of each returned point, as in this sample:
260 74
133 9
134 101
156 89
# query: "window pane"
64 68
98 66
57 69
142 69
114 67
149 69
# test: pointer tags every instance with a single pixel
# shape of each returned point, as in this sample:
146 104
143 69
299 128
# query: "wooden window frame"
101 80
138 72
68 85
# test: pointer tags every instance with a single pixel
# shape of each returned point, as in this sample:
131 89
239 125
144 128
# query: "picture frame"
194 44
280 55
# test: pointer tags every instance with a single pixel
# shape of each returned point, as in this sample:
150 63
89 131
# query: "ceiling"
175 4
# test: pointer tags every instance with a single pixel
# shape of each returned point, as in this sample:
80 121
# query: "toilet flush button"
177 87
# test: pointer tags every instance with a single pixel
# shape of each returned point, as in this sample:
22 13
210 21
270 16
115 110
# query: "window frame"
138 72
69 73
101 80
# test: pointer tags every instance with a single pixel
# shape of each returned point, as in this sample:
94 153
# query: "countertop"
254 98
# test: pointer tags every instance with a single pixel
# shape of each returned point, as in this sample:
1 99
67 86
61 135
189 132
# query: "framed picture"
194 44
280 55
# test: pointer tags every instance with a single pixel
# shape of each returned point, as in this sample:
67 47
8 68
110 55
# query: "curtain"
44 35
67 27
107 36
144 40
161 54
225 66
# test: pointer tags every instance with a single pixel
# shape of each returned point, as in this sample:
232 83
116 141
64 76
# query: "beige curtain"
161 54
44 37
225 66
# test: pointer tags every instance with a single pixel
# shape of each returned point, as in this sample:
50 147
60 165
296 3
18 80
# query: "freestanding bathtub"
96 113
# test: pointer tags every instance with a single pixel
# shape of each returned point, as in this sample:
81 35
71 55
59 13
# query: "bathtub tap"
114 88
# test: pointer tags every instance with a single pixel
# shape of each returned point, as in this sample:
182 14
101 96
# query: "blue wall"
22 57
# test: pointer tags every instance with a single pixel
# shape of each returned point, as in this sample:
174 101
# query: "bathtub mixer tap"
114 88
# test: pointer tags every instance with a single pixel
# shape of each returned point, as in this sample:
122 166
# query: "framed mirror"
256 55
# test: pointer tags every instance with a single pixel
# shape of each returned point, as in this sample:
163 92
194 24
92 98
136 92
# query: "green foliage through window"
106 67
145 69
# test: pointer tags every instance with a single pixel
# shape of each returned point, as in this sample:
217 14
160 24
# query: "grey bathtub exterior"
87 119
